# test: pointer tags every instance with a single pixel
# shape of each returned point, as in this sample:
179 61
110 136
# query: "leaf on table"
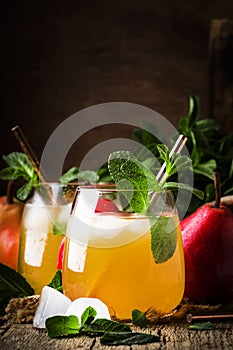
102 325
128 338
12 284
202 326
88 315
59 326
139 318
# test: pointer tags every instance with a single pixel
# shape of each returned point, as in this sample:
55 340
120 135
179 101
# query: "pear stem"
217 187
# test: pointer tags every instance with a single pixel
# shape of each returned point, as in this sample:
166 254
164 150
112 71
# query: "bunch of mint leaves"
137 182
209 151
111 332
20 167
131 174
14 285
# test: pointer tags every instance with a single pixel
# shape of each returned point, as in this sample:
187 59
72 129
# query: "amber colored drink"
38 243
112 260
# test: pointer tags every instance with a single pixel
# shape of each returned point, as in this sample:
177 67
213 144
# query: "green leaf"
102 325
19 161
207 124
88 315
163 239
128 173
164 153
8 174
69 176
194 107
139 318
186 123
58 326
12 284
202 326
24 191
19 166
206 169
59 228
74 174
128 338
182 186
56 282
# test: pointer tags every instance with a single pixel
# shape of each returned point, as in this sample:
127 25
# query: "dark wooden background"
58 57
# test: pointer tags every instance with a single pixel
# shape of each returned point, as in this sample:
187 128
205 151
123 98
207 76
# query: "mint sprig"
130 174
19 166
111 332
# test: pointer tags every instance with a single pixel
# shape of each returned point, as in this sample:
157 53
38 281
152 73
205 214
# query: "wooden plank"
173 336
221 73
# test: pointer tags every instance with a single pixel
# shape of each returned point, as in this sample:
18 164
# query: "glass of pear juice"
43 225
129 260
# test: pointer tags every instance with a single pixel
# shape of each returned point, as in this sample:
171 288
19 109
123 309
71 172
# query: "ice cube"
64 213
36 216
86 202
78 306
35 246
52 303
77 256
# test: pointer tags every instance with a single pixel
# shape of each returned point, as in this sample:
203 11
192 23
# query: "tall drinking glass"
43 224
129 260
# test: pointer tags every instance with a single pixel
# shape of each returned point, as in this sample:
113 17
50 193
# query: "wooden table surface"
172 336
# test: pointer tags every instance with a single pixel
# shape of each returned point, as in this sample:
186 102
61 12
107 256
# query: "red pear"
207 236
10 219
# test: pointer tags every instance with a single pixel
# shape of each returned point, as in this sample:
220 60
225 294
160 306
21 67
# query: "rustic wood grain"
173 336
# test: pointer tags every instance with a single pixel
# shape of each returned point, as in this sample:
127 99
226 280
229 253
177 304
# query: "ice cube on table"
52 303
78 306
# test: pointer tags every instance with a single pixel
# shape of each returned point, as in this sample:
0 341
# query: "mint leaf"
128 338
88 315
56 282
163 239
24 191
202 326
58 326
206 169
102 325
74 174
59 229
129 173
164 153
19 166
69 176
177 185
139 318
12 284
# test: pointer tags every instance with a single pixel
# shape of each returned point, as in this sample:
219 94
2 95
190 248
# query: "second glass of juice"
43 225
129 260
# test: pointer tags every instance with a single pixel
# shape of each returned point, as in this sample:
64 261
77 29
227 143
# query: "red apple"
208 250
103 205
